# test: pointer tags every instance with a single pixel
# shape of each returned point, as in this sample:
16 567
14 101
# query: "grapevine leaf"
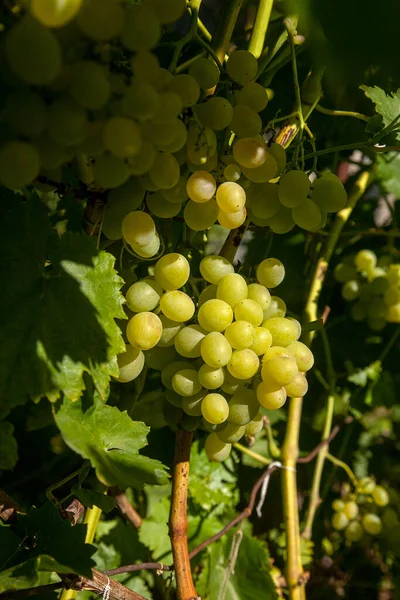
91 498
386 105
371 372
148 409
8 446
20 576
58 314
111 440
388 171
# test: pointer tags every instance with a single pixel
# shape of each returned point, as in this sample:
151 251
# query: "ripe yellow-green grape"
271 400
240 334
188 341
213 268
216 113
260 294
186 382
262 341
150 249
284 331
380 496
53 13
144 330
138 228
187 89
101 21
200 216
169 331
169 371
264 173
270 272
339 521
215 408
243 407
280 369
216 449
143 295
172 271
232 220
242 66
232 288
243 364
230 196
328 192
255 425
201 186
130 364
122 137
211 377
249 310
372 524
231 433
298 387
159 357
249 152
253 95
205 71
351 509
232 172
302 354
215 315
177 305
274 351
354 532
293 188
216 351
232 384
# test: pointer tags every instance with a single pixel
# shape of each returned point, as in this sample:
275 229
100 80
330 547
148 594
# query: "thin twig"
125 507
341 113
149 566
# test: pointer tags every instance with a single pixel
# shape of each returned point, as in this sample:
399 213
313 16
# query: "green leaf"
91 498
19 577
60 546
147 409
251 577
57 314
388 106
8 446
153 532
388 171
371 372
111 440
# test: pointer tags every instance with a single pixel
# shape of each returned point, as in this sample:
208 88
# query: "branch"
98 584
233 241
150 566
178 518
226 24
260 27
341 113
125 507
325 442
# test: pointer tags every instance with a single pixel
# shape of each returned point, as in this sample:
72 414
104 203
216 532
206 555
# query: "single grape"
329 193
176 194
293 188
110 172
231 433
201 144
145 66
260 294
339 521
148 250
19 164
282 221
350 290
270 272
215 408
255 425
192 404
380 496
365 260
143 295
303 355
201 186
186 382
211 377
232 384
262 341
138 228
130 364
284 331
53 13
165 171
232 172
351 510
172 271
141 27
253 95
188 341
169 12
159 357
372 524
249 152
392 313
263 199
161 208
242 66
209 293
216 449
216 351
169 371
243 407
141 101
122 137
344 272
231 197
200 216
245 122
232 288
281 369
264 172
279 154
243 364
249 310
205 71
338 505
308 215
101 21
89 85
232 220
173 398
144 330
177 306
215 315
271 400
216 113
298 387
240 334
274 351
354 532
213 268
187 89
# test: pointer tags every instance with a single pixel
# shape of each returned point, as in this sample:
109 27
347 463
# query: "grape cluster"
373 286
238 353
157 141
357 513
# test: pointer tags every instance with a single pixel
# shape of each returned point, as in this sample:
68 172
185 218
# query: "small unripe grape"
177 305
365 260
215 408
380 496
216 351
270 272
366 485
350 290
338 505
339 521
351 510
354 532
372 524
144 330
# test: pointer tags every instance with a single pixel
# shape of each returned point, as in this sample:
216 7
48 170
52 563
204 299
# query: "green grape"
122 137
338 505
213 268
201 186
390 518
145 66
148 250
270 272
392 313
186 382
162 80
366 485
376 323
160 133
179 140
293 188
271 400
302 354
201 144
255 425
67 122
232 172
159 357
192 404
262 341
53 13
245 122
143 295
144 330
372 524
252 95
329 193
351 510
249 310
380 496
216 351
205 71
138 228
231 197
88 85
243 364
169 12
92 145
33 52
242 66
240 334
215 315
121 200
231 433
110 172
187 89
130 364
19 164
232 384
169 371
141 101
215 408
339 521
188 341
274 351
215 449
393 275
216 113
379 284
264 201
159 207
176 194
177 306
308 216
200 216
172 415
243 407
209 293
281 369
211 377
26 113
249 152
141 28
279 154
172 271
344 272
282 221
101 21
260 294
354 532
52 155
263 173
298 387
232 220
350 290
232 288
365 260
173 398
277 308
283 331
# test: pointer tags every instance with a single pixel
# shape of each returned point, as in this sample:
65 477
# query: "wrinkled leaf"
91 498
388 106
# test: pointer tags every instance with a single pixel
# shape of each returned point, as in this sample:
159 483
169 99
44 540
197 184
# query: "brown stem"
125 507
232 242
150 566
178 518
98 583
